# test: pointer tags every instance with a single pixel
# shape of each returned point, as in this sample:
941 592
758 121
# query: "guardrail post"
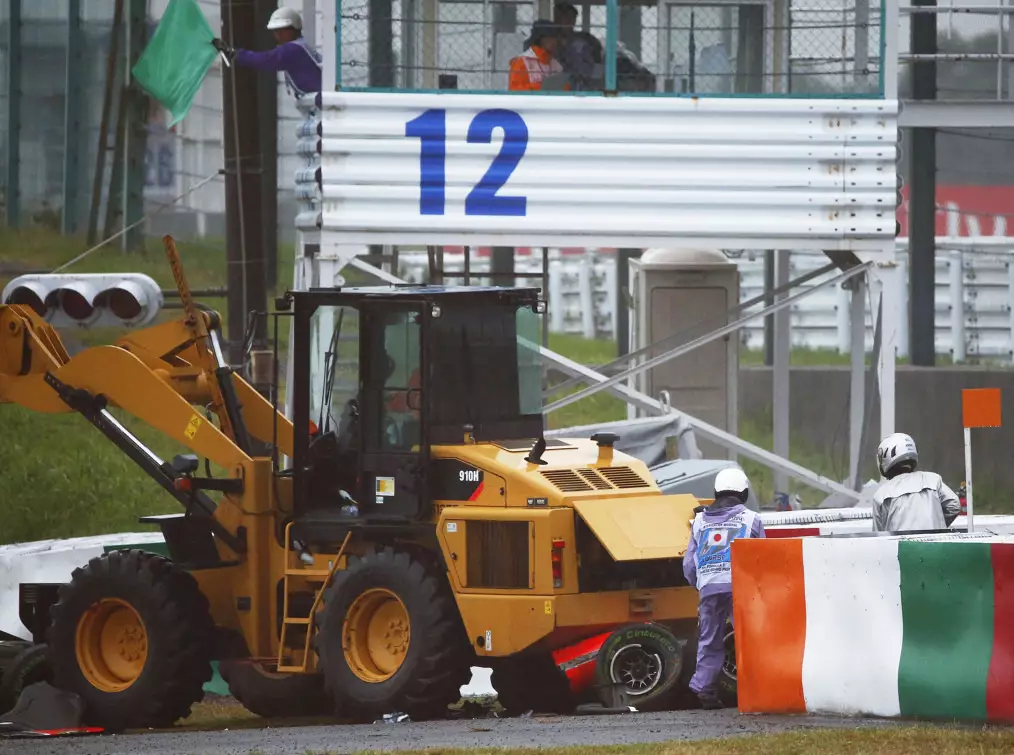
956 292
902 294
780 373
842 327
586 297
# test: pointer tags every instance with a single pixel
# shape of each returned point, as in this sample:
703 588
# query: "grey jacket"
914 501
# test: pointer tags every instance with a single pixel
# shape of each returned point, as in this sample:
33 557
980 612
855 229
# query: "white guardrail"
978 274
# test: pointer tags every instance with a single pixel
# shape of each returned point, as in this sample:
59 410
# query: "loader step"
307 572
298 622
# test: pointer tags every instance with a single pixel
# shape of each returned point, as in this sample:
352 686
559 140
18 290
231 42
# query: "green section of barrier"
159 549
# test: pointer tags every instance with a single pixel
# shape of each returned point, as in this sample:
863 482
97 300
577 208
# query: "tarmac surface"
483 732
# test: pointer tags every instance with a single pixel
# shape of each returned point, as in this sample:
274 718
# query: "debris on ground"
45 711
393 718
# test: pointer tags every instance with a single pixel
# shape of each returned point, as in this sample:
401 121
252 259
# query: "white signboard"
530 170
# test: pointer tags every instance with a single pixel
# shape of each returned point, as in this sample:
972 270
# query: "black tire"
532 683
177 640
270 695
436 659
647 660
728 689
27 668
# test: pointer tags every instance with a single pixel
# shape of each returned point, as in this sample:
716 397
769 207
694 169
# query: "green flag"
177 58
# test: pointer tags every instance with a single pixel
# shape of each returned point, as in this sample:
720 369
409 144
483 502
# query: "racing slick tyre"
641 666
132 636
273 695
532 683
28 667
728 690
390 638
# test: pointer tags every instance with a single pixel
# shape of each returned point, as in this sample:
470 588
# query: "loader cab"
383 373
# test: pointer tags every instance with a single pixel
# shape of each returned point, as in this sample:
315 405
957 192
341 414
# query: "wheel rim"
729 664
376 635
637 669
111 644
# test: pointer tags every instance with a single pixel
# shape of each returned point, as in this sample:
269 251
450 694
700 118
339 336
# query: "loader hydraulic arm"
158 375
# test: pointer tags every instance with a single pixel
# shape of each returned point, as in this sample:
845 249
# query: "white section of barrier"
51 561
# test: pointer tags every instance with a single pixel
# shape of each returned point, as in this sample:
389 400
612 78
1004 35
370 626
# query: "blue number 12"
431 129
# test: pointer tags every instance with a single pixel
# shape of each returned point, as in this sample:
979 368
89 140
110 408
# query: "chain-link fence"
180 189
773 47
980 53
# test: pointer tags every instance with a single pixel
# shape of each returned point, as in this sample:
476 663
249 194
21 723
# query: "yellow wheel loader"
410 521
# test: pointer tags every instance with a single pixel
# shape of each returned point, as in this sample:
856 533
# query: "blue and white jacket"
708 560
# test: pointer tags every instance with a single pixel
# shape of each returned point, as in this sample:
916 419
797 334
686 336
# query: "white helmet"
283 18
731 480
895 449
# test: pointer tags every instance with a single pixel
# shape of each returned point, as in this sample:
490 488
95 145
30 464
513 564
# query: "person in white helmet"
301 64
708 566
910 499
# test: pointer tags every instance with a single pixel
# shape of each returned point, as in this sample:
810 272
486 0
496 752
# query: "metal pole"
13 186
243 195
330 75
381 44
922 195
968 480
501 266
107 106
769 299
72 119
136 128
862 44
780 375
957 296
884 282
623 295
877 312
697 342
857 353
612 30
267 107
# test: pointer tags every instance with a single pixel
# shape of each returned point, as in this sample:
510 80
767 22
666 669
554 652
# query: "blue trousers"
713 612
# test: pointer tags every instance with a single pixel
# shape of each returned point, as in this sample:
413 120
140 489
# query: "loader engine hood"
640 528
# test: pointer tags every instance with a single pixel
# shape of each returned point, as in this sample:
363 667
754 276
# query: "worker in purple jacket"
708 566
301 64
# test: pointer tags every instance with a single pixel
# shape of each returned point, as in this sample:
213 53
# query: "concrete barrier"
886 626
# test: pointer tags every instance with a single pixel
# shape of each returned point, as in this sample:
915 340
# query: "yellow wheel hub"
376 635
111 644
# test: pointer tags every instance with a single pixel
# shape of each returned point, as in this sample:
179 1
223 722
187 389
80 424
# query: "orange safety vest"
529 69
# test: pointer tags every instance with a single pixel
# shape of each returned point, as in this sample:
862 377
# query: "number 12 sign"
431 130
